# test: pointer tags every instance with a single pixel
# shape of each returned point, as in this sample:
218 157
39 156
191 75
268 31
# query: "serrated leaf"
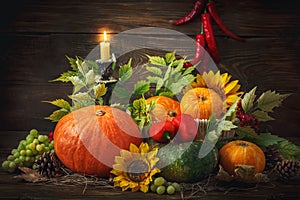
61 103
225 125
77 82
208 144
64 77
83 67
175 88
141 87
81 96
100 90
72 62
154 70
186 79
153 79
157 60
288 150
269 100
231 110
167 94
248 100
57 115
159 84
125 71
246 131
267 139
121 93
90 77
170 57
262 116
188 70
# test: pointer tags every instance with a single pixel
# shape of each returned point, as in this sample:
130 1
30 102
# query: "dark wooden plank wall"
35 37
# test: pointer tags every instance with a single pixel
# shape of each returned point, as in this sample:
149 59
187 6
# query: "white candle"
105 49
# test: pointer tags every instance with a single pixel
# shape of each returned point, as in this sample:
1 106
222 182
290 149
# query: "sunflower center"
137 170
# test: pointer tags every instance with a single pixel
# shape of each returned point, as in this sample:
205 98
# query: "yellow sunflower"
134 168
221 83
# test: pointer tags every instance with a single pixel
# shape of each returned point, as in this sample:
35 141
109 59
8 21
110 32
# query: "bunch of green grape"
161 186
28 150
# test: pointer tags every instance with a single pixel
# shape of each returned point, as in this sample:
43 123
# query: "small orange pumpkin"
201 103
165 108
240 152
88 139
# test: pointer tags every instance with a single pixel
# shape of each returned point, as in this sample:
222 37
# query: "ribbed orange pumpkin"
240 152
201 103
88 139
165 108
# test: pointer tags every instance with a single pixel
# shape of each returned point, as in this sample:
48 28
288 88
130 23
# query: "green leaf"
141 87
57 115
188 70
267 139
269 100
170 57
166 94
156 60
77 82
64 77
121 93
125 71
248 100
61 103
81 97
262 116
153 79
231 110
154 70
73 63
90 77
246 131
100 90
288 150
225 125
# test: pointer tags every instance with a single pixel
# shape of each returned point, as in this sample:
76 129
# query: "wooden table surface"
36 36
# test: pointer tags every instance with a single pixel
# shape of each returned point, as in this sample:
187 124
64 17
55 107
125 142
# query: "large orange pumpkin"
88 139
165 108
240 152
201 103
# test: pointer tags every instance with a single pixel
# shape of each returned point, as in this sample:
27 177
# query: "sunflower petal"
230 86
133 148
144 188
126 155
144 147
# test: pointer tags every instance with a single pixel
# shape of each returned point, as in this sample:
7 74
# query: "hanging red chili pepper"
199 4
209 37
211 8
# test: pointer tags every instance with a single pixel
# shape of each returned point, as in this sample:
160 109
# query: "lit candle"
105 49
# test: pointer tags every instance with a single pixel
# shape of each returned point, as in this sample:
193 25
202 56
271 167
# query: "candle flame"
105 37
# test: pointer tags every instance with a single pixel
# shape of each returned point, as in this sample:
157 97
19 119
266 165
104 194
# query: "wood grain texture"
35 37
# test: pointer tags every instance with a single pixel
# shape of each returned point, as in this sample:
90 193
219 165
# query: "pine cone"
48 165
272 157
287 169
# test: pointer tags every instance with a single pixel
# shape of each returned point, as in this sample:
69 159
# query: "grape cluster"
246 119
28 150
161 186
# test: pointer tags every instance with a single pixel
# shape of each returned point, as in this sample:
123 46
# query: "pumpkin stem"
172 113
100 112
202 98
242 144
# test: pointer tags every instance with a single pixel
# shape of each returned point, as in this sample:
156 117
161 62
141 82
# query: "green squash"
180 162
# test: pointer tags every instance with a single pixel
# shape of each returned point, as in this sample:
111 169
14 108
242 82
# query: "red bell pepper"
186 128
162 131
